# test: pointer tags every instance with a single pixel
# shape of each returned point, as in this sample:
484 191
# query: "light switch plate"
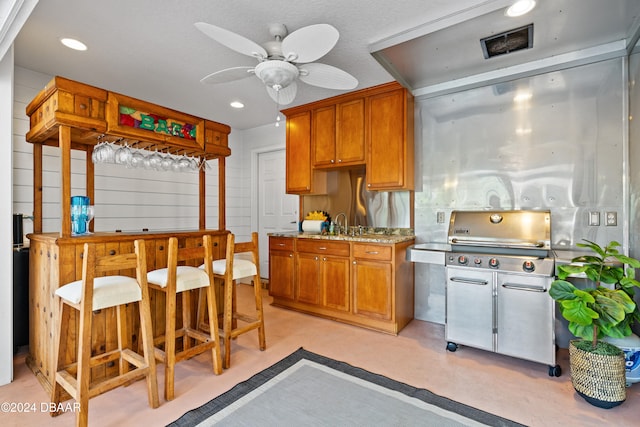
440 217
612 218
594 218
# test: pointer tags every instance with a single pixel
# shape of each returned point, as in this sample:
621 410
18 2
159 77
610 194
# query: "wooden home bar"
75 116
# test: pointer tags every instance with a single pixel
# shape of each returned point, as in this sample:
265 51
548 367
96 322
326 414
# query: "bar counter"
55 261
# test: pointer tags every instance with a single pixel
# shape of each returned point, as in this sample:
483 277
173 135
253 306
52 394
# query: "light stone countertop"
366 238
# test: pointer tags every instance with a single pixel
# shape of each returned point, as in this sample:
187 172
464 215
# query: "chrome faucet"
346 226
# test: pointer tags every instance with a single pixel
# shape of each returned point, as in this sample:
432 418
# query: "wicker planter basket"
599 379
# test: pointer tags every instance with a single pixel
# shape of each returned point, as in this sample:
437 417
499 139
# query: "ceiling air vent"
507 42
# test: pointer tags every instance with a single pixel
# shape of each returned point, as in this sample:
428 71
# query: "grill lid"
513 232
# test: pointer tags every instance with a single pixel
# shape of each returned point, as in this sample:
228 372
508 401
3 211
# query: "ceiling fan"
283 60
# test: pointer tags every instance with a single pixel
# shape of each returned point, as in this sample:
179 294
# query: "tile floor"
512 388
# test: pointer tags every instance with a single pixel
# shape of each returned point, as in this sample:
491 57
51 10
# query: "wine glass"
154 161
184 164
123 155
90 215
137 159
167 162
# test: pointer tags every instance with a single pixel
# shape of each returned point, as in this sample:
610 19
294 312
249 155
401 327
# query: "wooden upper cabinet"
323 135
390 162
301 179
299 153
350 132
338 134
372 127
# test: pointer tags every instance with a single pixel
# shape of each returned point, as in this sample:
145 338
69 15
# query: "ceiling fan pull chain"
277 106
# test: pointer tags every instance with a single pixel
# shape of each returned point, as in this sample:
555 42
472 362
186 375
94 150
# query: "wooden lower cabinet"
281 267
365 284
372 289
322 273
55 261
335 282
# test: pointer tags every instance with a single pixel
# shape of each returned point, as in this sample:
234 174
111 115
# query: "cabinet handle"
215 243
354 263
322 248
161 248
280 244
332 161
290 255
83 106
316 258
112 252
339 160
372 252
324 259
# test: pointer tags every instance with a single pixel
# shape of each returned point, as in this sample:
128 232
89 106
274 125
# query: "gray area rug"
306 389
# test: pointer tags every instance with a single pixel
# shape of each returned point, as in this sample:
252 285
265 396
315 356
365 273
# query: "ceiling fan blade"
327 76
309 43
285 96
232 40
228 75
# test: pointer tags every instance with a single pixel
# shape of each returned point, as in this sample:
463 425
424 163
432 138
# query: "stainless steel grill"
499 269
515 232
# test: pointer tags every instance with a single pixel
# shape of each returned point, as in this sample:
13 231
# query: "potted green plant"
606 310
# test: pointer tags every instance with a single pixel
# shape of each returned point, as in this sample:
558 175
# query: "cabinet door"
469 308
350 147
323 136
372 284
308 278
335 283
299 178
281 274
388 126
526 318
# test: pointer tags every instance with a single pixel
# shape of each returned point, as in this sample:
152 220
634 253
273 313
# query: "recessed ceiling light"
520 8
237 104
73 44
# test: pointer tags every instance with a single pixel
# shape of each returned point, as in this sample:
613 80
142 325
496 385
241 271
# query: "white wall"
6 235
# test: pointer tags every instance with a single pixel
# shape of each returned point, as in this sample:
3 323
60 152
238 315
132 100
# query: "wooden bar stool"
230 269
97 293
182 279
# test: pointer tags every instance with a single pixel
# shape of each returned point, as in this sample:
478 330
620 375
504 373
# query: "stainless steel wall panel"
554 141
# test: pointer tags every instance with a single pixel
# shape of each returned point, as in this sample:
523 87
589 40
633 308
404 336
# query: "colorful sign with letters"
152 122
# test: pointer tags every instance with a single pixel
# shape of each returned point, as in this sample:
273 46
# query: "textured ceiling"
150 49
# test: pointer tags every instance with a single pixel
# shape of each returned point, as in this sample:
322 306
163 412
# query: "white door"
277 211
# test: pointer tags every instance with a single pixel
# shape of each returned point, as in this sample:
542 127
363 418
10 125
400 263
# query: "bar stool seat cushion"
241 267
108 291
187 278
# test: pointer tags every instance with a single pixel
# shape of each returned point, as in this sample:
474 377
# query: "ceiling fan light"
278 74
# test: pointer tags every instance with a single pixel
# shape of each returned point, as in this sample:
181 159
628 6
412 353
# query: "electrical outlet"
612 218
440 217
594 218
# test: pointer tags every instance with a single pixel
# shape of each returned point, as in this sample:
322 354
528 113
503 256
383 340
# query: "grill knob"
528 266
477 261
494 263
463 260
